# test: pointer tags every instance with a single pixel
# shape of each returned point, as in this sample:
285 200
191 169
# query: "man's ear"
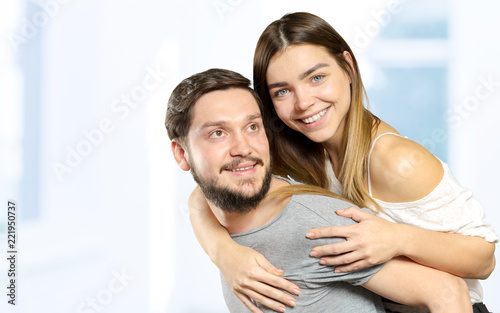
180 155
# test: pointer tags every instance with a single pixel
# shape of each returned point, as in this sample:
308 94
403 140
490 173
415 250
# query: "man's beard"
234 201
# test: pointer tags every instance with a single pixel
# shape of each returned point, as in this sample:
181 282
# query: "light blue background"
107 230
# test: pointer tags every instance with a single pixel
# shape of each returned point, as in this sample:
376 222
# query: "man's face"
228 151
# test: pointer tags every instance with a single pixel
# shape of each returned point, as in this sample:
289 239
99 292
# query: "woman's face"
310 92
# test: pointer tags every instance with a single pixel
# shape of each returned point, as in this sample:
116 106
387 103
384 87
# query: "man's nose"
240 145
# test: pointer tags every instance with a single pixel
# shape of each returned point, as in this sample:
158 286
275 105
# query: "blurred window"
20 98
408 72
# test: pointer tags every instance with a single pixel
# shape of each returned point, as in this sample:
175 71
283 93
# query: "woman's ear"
180 155
347 56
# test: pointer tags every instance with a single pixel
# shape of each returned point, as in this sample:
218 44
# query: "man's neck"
265 212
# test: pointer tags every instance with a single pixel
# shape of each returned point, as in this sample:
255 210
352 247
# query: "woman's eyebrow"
312 69
300 77
277 85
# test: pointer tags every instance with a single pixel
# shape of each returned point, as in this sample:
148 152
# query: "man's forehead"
230 105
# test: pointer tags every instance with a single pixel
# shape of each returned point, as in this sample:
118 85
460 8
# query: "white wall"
122 207
474 145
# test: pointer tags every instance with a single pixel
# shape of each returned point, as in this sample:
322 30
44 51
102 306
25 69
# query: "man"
215 122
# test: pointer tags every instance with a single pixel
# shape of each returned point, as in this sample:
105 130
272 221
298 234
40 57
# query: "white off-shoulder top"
448 208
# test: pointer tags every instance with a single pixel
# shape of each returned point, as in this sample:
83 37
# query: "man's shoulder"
323 206
313 198
320 202
287 179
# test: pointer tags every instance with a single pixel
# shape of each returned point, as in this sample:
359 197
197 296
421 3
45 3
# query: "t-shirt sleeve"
327 275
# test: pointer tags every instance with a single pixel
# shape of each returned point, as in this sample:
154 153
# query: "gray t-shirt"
283 242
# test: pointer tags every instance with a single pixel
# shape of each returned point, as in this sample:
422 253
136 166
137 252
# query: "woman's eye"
317 78
282 92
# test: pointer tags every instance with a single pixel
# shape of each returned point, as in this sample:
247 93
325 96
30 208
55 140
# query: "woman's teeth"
315 117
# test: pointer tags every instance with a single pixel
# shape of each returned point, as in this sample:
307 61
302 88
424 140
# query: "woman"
323 135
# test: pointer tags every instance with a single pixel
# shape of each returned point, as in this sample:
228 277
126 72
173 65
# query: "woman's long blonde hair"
293 153
290 190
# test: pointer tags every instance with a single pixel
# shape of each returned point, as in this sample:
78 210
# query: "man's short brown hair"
185 95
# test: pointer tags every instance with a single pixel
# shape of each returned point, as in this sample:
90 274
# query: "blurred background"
101 204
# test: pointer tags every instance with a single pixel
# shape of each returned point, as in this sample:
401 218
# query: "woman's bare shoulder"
402 170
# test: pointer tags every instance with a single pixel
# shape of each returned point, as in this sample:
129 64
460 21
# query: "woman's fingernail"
281 309
291 303
322 262
310 235
314 253
296 291
340 211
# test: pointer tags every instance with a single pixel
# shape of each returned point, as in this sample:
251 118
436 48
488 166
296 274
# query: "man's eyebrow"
301 76
252 117
213 124
249 117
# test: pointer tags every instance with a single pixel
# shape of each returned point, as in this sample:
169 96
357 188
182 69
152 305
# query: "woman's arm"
409 283
374 240
461 255
247 272
404 171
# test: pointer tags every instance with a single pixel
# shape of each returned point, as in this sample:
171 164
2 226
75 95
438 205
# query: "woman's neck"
333 148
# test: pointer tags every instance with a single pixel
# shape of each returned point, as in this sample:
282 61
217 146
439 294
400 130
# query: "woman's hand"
251 276
371 241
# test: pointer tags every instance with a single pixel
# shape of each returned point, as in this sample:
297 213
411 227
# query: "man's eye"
253 127
217 133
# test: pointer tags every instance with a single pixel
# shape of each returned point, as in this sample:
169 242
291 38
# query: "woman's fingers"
327 232
348 262
255 278
266 296
274 279
371 241
354 266
280 283
248 303
267 266
341 231
333 231
268 289
275 299
354 213
333 249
